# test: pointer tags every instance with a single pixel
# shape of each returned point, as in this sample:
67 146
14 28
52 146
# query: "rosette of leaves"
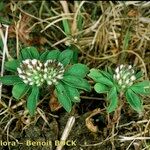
122 82
32 71
71 77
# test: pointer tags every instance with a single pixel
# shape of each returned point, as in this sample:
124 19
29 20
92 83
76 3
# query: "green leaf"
53 54
141 88
19 90
12 65
80 22
76 82
29 53
65 57
32 100
73 93
138 74
101 88
1 42
4 20
107 75
75 53
63 97
2 6
113 99
10 80
110 71
97 76
66 27
126 40
43 56
134 100
78 70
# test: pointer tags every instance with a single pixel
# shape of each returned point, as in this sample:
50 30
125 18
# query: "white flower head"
31 72
53 71
124 76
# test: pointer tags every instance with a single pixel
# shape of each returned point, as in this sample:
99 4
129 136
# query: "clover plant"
54 69
122 82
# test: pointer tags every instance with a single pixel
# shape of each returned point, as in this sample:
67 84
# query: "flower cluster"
124 75
33 72
53 71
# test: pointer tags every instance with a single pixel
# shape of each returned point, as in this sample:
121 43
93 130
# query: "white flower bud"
121 66
120 82
133 78
29 73
35 71
54 80
31 83
49 82
38 68
19 70
34 62
118 76
29 79
125 75
36 77
129 67
60 76
54 74
49 77
117 70
114 76
45 70
42 80
130 83
45 65
30 66
123 86
37 82
61 71
26 61
45 76
22 76
26 81
127 81
40 64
